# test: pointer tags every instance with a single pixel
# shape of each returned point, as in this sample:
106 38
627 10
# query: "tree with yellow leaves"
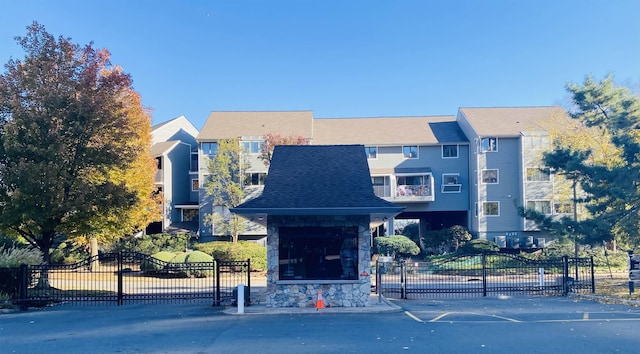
74 145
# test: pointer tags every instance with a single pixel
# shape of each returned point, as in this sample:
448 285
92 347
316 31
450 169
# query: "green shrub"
241 251
12 257
163 257
479 246
396 246
198 256
67 253
152 244
179 258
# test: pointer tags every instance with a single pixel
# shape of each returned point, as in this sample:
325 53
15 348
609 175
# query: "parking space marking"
414 317
443 315
585 316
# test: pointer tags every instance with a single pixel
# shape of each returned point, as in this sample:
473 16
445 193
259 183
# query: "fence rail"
126 278
483 275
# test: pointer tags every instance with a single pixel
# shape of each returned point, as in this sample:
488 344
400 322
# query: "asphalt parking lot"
468 325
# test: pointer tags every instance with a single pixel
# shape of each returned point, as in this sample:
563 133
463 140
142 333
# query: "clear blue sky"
344 58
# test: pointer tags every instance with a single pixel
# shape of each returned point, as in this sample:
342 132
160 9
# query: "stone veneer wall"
304 293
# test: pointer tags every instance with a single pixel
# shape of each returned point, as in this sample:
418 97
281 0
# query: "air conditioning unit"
501 241
526 242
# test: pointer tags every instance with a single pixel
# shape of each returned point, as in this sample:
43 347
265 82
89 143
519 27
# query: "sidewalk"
376 304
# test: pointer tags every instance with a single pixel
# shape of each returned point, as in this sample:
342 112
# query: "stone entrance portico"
318 206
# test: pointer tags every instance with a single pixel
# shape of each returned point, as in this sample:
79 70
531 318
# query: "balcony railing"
413 191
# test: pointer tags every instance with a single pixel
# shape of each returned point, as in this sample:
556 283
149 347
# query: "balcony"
159 178
414 192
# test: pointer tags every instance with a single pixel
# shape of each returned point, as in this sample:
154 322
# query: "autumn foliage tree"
225 186
74 145
602 156
271 140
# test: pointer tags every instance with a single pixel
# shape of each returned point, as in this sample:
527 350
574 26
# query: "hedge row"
241 251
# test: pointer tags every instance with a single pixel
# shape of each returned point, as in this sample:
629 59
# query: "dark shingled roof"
319 180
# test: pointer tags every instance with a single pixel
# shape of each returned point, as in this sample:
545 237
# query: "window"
491 208
159 162
209 149
541 206
536 142
318 253
537 174
190 215
449 151
410 152
563 207
255 178
194 161
372 152
381 186
489 176
251 147
451 183
195 185
489 144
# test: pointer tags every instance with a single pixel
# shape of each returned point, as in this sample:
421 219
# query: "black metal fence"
127 278
485 274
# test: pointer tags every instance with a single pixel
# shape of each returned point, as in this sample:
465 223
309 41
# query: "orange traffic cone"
319 303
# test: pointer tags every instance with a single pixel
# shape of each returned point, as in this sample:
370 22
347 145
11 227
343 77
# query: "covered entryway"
318 206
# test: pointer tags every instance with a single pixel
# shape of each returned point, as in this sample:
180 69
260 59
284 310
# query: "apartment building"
507 145
176 151
473 169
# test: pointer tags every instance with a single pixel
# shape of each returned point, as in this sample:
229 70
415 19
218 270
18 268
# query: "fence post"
217 299
565 275
593 278
378 282
248 287
120 290
22 290
403 290
484 274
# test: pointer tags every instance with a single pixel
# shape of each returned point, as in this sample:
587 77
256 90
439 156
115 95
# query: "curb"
605 299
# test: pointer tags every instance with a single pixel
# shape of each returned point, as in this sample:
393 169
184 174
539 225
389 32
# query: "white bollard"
541 276
240 298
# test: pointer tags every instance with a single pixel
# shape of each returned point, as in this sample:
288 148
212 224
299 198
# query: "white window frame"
367 151
536 142
251 143
489 147
451 157
492 202
208 151
195 181
487 170
405 156
453 187
386 186
248 176
540 201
